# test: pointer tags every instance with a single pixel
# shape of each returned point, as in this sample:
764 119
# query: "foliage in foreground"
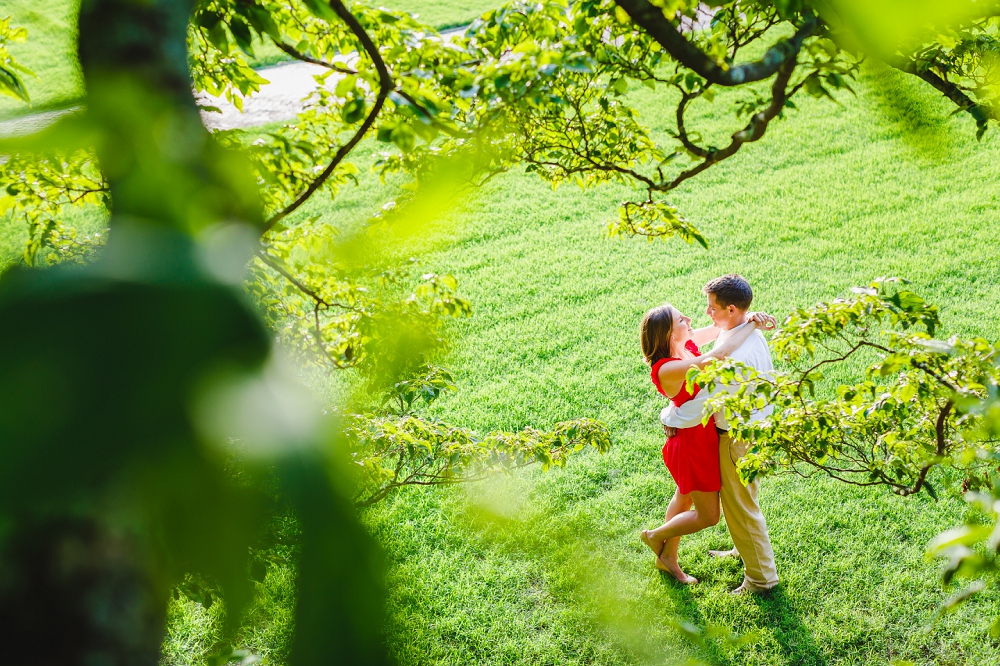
539 85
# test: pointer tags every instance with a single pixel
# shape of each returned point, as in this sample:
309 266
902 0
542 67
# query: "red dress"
692 455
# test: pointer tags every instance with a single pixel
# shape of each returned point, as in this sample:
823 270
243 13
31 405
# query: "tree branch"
650 18
942 444
682 134
298 55
752 132
385 87
981 113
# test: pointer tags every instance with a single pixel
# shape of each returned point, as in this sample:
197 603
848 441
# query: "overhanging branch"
950 90
752 132
385 87
650 18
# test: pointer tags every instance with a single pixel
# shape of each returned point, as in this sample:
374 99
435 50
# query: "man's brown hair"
729 290
654 333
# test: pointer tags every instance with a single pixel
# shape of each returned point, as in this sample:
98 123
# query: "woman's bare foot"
657 548
674 570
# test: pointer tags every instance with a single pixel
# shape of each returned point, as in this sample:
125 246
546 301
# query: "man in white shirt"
729 299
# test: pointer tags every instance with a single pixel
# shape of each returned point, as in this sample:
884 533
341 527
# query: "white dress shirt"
753 352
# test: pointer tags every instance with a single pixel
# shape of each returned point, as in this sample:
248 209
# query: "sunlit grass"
49 52
547 568
831 198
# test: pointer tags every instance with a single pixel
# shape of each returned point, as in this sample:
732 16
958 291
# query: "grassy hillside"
547 568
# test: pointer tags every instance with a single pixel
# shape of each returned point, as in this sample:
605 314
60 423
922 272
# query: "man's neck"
736 322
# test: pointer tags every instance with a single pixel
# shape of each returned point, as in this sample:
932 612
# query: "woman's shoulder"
655 372
655 368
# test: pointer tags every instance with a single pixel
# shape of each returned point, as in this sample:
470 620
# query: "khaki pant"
743 517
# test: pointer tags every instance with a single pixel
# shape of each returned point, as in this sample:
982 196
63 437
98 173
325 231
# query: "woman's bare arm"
673 373
702 336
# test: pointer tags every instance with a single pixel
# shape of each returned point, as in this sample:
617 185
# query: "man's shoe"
720 554
746 587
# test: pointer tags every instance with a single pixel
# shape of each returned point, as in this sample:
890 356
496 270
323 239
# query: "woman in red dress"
670 347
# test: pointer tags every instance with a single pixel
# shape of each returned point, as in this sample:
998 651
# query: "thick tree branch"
650 18
981 113
385 87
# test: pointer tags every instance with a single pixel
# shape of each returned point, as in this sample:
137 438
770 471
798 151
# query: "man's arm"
756 354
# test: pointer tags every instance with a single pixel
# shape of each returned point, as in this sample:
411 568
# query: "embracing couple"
702 458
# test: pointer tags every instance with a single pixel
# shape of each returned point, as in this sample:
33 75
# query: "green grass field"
547 568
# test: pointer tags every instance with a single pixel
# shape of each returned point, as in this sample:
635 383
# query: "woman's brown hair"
654 333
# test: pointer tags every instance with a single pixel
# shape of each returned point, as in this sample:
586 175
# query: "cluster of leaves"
973 550
405 449
951 46
906 415
965 63
38 190
334 315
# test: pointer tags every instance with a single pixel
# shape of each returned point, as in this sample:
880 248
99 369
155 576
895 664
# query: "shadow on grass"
793 637
779 617
688 610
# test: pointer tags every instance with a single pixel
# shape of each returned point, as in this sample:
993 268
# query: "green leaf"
354 110
263 22
218 37
320 9
11 84
242 34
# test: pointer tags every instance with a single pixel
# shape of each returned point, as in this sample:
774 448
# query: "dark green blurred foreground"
123 379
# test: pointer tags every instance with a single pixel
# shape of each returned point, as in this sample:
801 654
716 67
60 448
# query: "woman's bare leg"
706 513
678 504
